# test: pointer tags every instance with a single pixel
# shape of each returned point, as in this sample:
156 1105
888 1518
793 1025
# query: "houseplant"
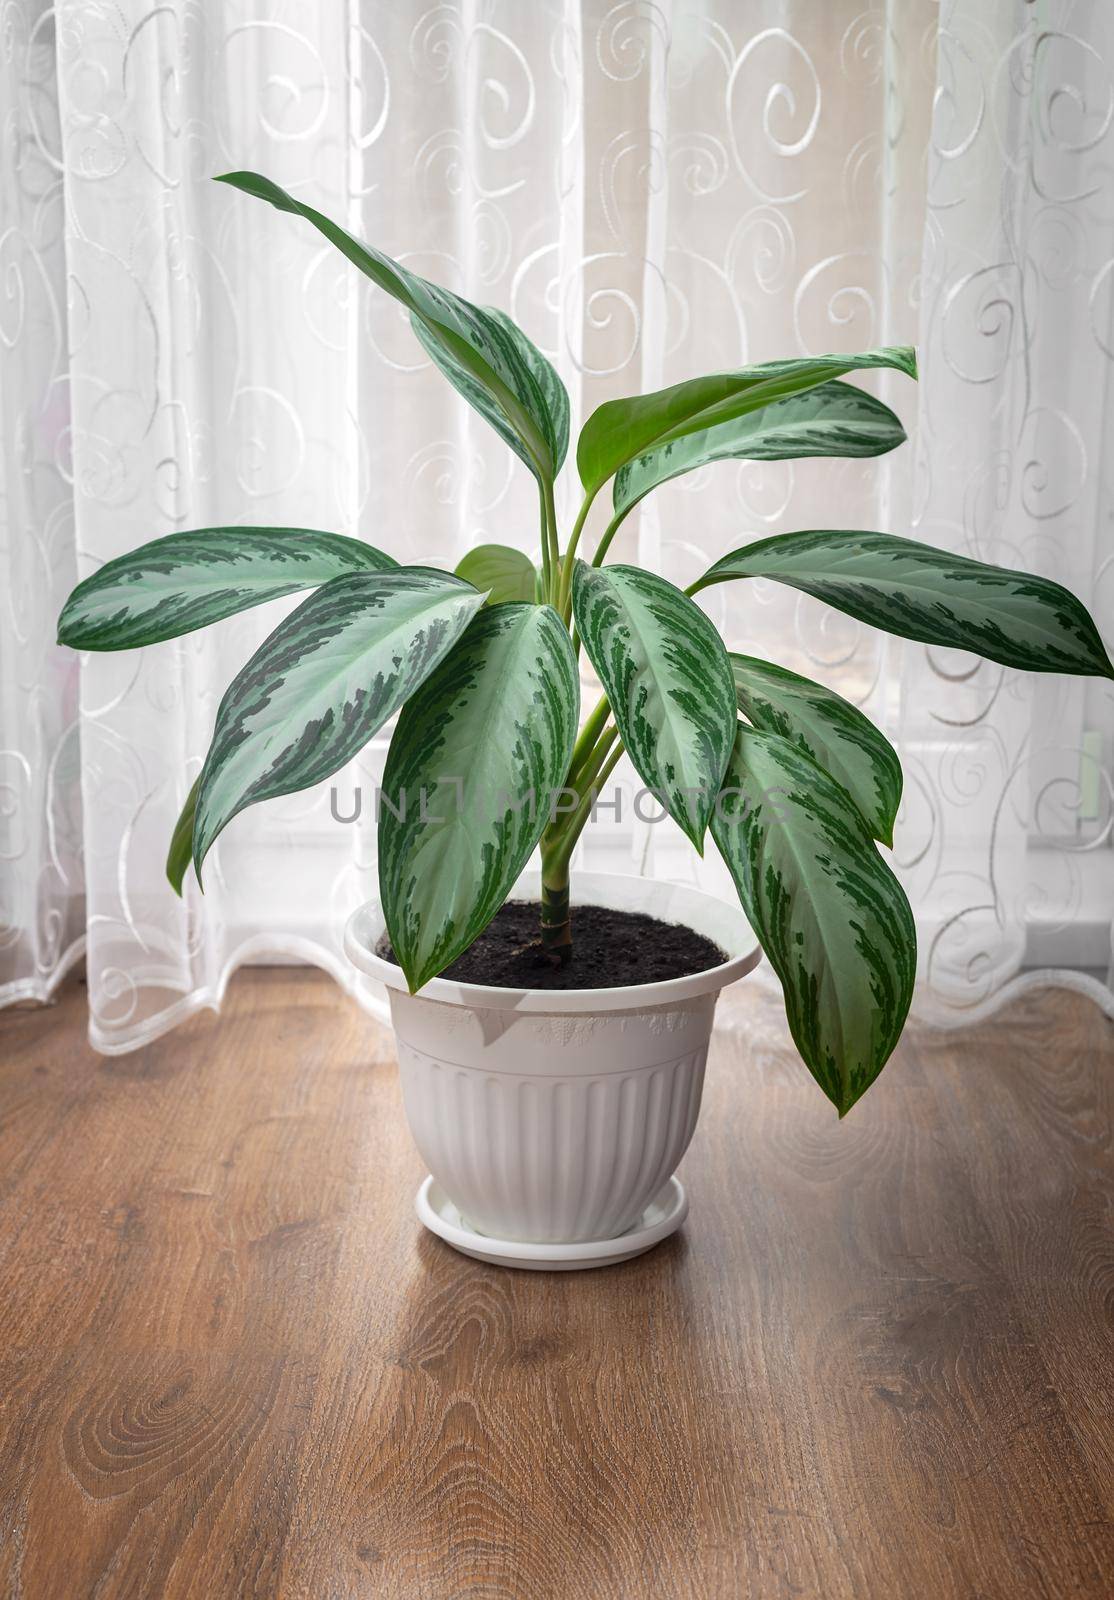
796 787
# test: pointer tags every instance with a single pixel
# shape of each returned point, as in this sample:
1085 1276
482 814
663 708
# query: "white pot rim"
725 924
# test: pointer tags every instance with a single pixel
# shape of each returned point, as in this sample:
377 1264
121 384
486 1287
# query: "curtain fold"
42 905
651 190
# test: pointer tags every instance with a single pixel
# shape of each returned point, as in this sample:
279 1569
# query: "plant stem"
545 542
611 530
560 836
564 842
589 772
559 839
570 554
587 738
590 753
552 546
556 926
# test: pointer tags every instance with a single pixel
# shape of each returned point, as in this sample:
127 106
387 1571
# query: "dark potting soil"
610 949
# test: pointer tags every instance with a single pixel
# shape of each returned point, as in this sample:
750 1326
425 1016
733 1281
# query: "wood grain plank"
146 1473
1038 1143
876 1362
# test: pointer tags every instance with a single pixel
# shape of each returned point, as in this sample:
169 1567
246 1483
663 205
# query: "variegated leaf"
325 681
551 397
187 580
620 430
665 671
180 854
476 757
833 419
483 354
834 733
827 910
919 592
500 571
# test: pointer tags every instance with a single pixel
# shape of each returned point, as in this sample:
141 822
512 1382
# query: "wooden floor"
876 1362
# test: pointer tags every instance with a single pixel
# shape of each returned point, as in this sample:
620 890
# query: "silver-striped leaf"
551 397
829 729
829 913
500 571
918 592
620 430
554 405
185 581
474 762
484 355
323 684
833 419
665 672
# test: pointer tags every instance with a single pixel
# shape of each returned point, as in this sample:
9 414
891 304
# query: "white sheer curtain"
1007 828
652 190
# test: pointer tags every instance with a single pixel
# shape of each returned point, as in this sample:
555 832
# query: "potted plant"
552 1059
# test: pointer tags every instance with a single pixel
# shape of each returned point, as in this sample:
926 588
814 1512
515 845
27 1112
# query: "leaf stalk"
569 563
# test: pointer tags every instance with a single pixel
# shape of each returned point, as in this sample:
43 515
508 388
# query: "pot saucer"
663 1216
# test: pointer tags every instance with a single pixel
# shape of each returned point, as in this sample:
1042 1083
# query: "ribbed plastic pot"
555 1116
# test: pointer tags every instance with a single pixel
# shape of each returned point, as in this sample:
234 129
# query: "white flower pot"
556 1117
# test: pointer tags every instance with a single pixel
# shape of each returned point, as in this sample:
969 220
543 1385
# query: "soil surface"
610 950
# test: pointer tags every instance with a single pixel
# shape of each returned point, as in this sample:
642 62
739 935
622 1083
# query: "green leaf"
323 684
180 853
918 592
620 430
483 354
174 585
834 733
665 672
551 395
501 572
834 419
475 758
827 910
